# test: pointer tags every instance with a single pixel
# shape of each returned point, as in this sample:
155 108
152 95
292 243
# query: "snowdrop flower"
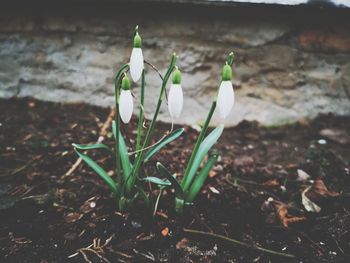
126 104
136 58
226 96
175 97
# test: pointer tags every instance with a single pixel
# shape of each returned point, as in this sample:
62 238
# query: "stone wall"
291 62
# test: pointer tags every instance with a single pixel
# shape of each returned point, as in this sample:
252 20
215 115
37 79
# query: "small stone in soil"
135 224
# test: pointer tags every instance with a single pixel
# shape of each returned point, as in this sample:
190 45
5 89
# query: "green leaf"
168 139
123 151
114 129
177 187
143 195
203 149
99 170
157 181
91 146
200 179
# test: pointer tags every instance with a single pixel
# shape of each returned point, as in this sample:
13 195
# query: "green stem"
137 166
117 81
139 126
237 242
184 184
179 206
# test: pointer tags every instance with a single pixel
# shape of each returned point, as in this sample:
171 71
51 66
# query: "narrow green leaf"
123 151
94 146
157 181
168 139
200 179
114 129
203 149
177 187
99 170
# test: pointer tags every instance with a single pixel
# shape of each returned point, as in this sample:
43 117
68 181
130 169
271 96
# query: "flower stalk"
185 183
117 82
139 125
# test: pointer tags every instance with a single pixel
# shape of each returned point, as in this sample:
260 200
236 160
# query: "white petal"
225 99
136 64
175 100
126 105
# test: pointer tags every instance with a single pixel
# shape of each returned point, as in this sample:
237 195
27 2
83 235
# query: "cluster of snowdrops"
128 184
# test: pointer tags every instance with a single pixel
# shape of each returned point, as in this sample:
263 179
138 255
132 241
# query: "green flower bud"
137 40
226 73
176 76
126 84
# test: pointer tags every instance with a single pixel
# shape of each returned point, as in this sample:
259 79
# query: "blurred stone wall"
291 62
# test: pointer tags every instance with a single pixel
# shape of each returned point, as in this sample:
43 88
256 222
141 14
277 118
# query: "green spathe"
176 76
137 40
226 72
126 84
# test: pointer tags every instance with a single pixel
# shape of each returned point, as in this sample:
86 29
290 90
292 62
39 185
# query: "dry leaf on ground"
302 175
165 232
72 217
284 216
271 183
308 204
314 193
319 191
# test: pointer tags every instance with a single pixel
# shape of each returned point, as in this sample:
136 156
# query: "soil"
254 193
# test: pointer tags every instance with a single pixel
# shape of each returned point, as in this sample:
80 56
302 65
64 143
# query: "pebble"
322 141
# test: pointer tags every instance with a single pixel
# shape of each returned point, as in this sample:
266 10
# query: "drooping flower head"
175 98
126 104
226 96
136 58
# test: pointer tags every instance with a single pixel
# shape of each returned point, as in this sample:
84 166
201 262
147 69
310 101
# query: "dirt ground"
258 193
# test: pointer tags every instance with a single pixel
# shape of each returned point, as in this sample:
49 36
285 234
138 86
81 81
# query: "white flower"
225 99
175 100
126 105
136 63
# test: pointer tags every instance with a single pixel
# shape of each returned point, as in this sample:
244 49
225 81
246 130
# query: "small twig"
155 69
237 242
157 202
149 255
160 75
103 133
94 248
22 168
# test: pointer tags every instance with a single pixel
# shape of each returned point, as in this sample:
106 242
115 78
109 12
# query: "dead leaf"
214 190
183 243
283 215
302 176
308 204
162 214
271 183
212 174
72 217
165 232
315 193
320 191
336 135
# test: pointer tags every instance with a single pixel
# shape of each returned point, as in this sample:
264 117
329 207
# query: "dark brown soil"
47 217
